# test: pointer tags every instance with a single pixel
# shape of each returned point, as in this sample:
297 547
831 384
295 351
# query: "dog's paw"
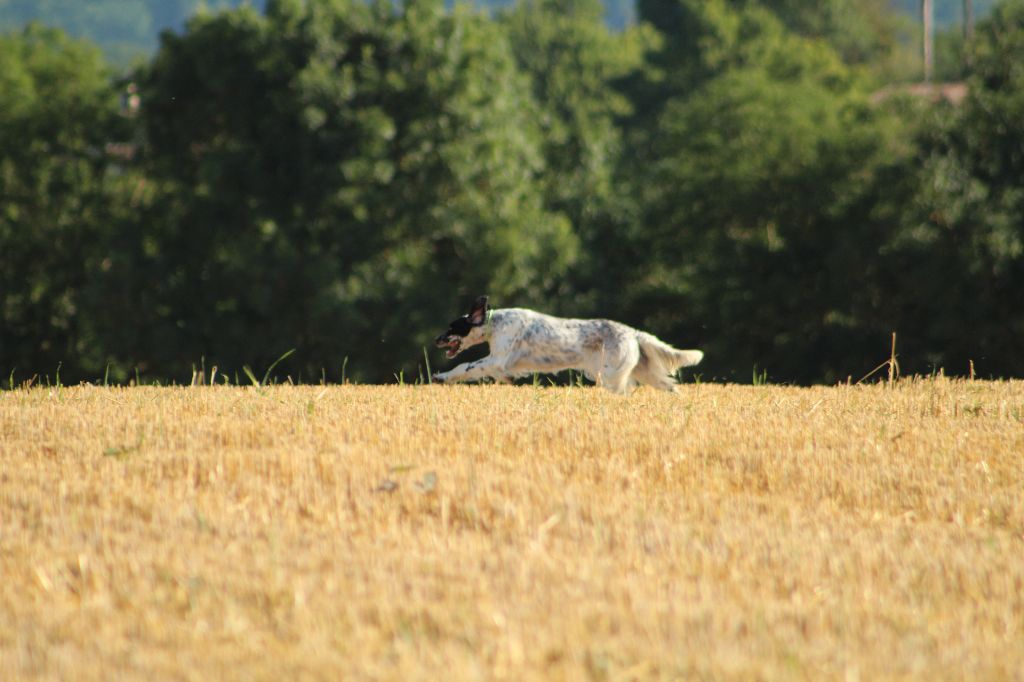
437 378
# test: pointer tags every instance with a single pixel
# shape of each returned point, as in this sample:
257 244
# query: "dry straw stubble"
513 532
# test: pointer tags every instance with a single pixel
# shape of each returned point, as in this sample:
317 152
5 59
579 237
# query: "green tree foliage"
58 110
864 33
862 30
957 264
336 177
573 61
340 177
762 201
702 39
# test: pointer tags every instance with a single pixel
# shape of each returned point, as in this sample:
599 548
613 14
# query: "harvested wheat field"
486 532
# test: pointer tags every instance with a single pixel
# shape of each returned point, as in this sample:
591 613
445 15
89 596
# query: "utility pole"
927 16
968 20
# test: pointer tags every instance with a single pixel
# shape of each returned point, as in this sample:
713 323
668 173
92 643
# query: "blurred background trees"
341 177
59 195
336 176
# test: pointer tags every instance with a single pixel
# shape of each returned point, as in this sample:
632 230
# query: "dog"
611 354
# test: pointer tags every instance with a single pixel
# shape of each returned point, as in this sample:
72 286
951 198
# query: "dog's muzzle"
450 344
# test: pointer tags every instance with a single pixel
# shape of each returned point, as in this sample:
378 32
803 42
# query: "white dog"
523 341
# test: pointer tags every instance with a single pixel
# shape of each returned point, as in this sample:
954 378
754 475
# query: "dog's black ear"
478 313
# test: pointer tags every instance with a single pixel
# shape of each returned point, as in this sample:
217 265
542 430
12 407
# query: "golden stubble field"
487 532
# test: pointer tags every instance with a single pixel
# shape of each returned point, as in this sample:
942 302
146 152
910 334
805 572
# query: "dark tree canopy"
342 177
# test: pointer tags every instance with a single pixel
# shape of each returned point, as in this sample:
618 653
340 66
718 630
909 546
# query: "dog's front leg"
472 371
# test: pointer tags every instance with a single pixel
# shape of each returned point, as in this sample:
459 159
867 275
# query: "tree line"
127 30
342 177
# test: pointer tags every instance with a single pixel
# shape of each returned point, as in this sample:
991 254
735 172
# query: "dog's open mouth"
451 347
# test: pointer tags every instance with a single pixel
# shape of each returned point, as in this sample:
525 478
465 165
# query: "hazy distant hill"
129 29
125 29
947 12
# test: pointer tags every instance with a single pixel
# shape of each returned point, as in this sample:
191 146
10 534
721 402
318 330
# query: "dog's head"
465 331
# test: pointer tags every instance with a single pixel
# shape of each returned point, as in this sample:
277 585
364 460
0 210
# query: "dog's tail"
663 357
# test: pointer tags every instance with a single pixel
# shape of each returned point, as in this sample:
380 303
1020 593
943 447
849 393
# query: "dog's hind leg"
660 383
616 382
658 363
644 373
617 369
